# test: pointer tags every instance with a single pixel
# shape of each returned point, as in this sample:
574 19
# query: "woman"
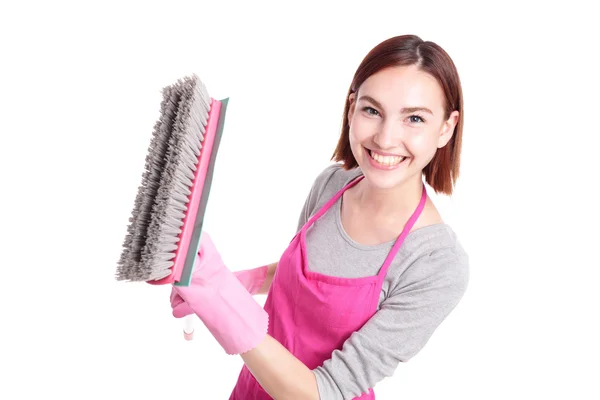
373 269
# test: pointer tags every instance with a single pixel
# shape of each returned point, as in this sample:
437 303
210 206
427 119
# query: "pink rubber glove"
222 303
251 279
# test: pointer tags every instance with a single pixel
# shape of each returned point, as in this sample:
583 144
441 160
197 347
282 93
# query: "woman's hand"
221 302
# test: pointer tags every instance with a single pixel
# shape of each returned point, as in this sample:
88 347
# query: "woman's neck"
390 203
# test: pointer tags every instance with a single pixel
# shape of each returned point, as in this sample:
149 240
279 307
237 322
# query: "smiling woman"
409 98
373 269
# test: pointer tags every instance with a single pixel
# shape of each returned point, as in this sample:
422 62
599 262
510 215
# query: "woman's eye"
415 119
370 111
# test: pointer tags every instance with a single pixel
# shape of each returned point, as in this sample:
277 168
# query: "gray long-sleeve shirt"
424 283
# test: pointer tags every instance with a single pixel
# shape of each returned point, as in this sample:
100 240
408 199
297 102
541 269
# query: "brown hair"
443 170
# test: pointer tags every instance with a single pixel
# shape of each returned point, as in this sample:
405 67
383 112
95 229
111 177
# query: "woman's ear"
447 129
352 101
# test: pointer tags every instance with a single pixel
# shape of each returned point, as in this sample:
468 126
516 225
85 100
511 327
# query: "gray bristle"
128 265
161 201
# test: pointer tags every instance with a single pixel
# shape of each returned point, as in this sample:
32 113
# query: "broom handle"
188 327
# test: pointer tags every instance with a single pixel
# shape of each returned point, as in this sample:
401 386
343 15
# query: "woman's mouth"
384 161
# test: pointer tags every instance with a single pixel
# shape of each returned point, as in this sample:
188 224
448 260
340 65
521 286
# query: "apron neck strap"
407 228
331 201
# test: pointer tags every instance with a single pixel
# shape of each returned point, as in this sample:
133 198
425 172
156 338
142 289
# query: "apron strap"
409 225
332 201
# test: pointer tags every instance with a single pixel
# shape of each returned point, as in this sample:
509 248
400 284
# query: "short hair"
443 170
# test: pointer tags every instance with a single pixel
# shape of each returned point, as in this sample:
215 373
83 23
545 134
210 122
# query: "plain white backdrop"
79 94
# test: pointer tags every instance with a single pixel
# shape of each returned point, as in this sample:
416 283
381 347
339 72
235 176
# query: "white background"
79 95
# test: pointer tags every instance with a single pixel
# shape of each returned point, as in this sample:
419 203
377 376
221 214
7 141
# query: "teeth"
387 160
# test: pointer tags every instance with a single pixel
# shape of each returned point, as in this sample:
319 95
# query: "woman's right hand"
255 280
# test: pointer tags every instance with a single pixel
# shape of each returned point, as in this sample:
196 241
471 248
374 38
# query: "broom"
165 227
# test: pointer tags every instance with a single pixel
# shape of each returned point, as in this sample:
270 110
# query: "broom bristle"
155 159
161 203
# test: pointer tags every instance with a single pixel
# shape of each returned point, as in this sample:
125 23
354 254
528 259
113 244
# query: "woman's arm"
417 304
280 373
264 289
257 280
277 370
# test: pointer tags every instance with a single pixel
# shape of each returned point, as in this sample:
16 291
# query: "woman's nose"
388 136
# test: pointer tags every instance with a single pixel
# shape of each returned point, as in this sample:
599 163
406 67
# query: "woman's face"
397 124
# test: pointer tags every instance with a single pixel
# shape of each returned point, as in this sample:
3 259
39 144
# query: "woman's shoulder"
333 178
325 185
434 238
435 253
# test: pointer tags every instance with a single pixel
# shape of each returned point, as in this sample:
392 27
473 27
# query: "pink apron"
312 314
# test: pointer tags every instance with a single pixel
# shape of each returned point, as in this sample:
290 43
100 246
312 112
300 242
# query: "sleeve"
307 209
424 296
314 195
